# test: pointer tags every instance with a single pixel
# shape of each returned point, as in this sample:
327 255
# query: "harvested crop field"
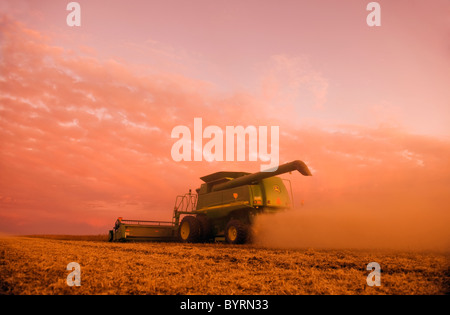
38 266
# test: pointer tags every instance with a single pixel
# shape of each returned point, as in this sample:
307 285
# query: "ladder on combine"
184 204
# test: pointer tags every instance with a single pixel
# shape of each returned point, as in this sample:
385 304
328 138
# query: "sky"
86 113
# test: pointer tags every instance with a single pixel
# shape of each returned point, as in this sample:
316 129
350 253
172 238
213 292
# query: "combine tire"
111 236
236 232
205 228
189 230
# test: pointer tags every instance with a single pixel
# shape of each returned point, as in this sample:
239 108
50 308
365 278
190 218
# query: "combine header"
225 205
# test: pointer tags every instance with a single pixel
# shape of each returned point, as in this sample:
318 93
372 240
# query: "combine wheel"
111 236
189 230
236 232
205 228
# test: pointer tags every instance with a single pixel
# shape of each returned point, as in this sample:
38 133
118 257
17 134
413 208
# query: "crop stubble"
38 266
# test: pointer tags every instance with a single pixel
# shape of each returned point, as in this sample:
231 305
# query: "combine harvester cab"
224 207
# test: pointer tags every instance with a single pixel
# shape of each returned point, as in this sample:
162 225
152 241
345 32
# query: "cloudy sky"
86 113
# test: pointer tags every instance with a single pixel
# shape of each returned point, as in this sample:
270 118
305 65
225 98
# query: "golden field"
37 265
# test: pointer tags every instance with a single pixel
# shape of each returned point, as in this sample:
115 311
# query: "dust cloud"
353 227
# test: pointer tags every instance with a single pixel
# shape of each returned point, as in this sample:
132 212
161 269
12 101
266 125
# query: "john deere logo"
277 188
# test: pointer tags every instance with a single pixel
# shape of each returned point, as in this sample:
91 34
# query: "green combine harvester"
224 207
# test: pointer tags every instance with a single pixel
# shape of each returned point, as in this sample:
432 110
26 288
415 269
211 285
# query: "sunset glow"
86 113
